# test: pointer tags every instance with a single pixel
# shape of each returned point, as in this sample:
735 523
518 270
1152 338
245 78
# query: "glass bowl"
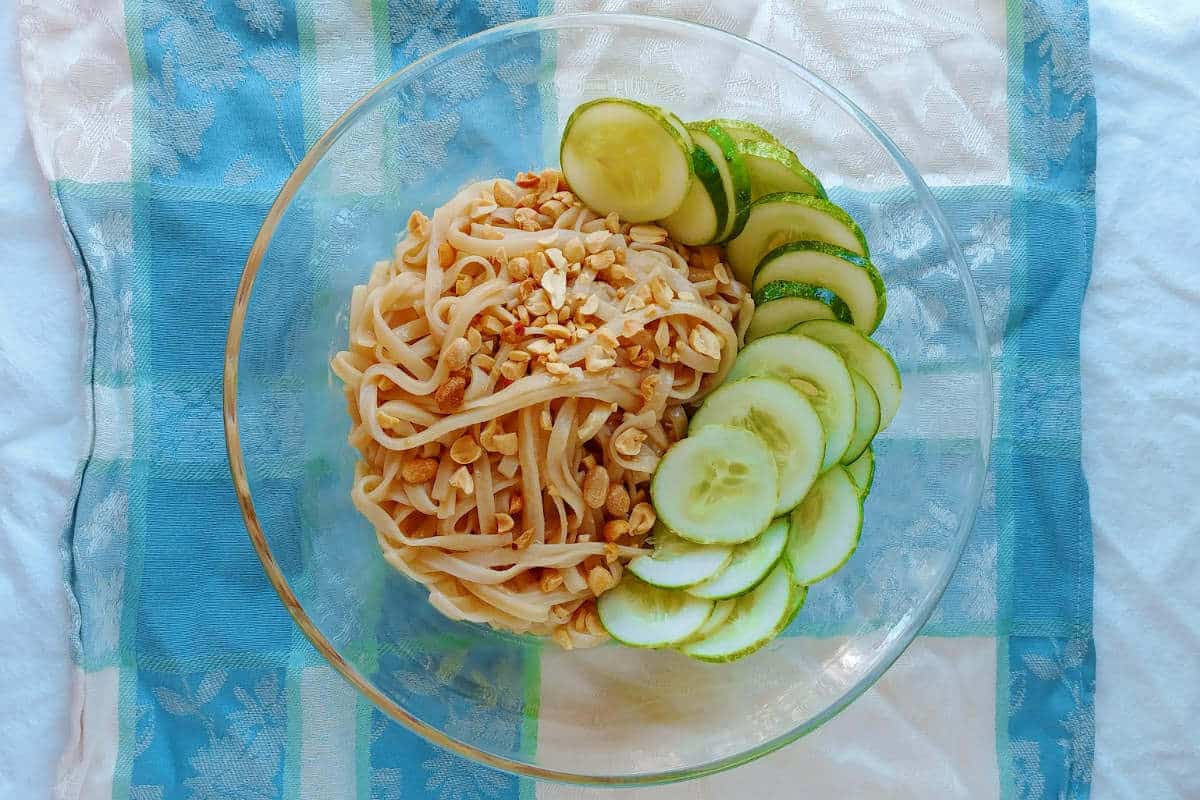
492 104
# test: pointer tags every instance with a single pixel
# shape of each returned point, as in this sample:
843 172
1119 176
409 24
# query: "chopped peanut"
419 470
465 449
595 487
641 519
617 504
449 395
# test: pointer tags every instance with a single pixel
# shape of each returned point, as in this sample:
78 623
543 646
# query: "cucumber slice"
624 156
814 369
704 214
741 131
641 615
777 219
735 179
866 422
853 278
750 564
717 486
863 355
722 609
782 305
781 417
823 530
675 562
862 471
773 168
756 619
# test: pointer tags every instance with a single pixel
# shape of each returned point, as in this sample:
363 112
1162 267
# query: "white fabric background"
1141 372
42 435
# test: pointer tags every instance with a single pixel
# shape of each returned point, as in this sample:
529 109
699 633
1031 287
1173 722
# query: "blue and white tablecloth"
165 128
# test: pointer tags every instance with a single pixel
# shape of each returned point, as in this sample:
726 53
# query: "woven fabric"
165 128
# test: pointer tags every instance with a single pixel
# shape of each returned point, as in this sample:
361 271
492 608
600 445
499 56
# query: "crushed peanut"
616 504
705 342
446 255
514 370
648 234
551 579
457 354
641 519
465 449
648 386
418 225
595 487
505 443
504 523
540 347
462 480
601 261
449 395
629 443
419 470
557 369
599 358
600 580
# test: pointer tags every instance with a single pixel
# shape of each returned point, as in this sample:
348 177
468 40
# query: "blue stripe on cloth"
1045 698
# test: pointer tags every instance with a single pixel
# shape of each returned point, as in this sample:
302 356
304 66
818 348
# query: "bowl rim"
906 629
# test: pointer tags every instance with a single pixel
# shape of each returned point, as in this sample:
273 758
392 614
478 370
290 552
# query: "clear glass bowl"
493 104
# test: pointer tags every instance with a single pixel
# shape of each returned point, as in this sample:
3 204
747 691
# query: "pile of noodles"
455 277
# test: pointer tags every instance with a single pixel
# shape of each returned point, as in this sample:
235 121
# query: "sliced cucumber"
866 422
750 564
675 562
815 370
782 305
777 219
641 615
722 609
824 529
863 355
717 486
853 278
624 156
704 215
742 131
735 178
756 619
862 471
773 168
782 418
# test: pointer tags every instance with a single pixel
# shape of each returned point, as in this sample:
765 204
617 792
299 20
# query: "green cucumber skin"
807 328
778 152
834 210
705 171
795 601
792 570
851 455
738 172
656 645
864 488
800 597
741 126
776 290
833 250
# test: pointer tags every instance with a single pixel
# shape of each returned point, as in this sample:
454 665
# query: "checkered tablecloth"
165 128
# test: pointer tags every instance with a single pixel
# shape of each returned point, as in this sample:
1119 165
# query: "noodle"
514 374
